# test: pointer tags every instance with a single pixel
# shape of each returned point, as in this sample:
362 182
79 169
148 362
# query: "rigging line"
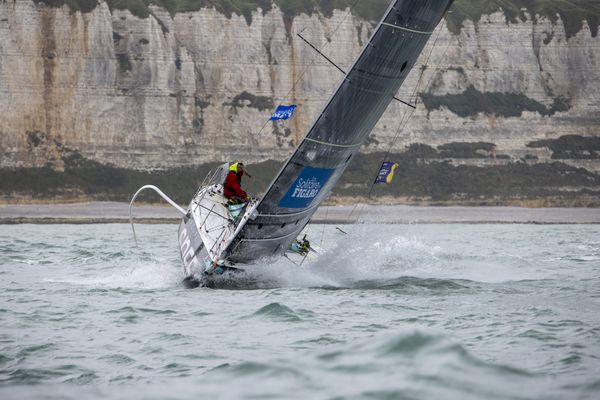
352 212
403 123
305 69
404 102
318 51
324 224
440 26
410 113
401 126
341 70
263 127
436 69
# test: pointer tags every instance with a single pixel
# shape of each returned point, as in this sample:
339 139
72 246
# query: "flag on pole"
386 172
283 112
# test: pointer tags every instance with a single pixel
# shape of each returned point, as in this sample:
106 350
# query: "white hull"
208 229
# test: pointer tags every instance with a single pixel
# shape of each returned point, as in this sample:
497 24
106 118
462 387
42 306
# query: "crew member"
232 187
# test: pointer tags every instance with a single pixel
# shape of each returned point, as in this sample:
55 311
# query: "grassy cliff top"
571 12
369 9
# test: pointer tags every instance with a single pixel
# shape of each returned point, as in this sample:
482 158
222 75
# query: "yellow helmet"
234 167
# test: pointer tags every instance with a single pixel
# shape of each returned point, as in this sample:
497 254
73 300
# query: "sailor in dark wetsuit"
232 187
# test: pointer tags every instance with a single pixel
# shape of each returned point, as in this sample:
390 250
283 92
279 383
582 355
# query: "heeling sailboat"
211 237
340 130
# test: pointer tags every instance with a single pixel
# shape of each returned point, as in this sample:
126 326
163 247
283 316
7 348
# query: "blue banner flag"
386 172
283 112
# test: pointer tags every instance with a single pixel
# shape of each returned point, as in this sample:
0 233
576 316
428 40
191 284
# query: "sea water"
385 311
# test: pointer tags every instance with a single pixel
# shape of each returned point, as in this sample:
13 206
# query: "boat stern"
193 253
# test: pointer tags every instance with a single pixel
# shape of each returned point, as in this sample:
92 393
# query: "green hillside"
424 176
370 10
571 12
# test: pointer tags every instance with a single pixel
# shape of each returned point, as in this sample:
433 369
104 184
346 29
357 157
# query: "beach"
116 212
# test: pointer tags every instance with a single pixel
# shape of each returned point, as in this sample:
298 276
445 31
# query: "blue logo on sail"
306 187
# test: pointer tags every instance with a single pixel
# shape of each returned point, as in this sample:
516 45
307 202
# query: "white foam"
348 259
142 275
372 253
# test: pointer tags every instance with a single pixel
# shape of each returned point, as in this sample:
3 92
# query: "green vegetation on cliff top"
571 12
370 10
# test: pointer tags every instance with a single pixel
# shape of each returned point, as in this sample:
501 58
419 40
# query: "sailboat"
214 237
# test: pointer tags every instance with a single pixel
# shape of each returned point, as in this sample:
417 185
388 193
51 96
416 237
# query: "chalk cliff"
169 89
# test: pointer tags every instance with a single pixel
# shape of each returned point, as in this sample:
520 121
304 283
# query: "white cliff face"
199 87
530 59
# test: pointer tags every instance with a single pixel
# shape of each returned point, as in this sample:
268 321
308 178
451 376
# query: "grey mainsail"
343 126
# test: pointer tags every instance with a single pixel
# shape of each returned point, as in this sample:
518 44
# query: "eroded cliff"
161 86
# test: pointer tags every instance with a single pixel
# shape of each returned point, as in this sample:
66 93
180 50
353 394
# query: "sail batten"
402 28
333 144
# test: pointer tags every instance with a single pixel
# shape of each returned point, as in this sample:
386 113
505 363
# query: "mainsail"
341 128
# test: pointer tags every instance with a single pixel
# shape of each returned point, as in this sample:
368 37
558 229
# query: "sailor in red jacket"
232 187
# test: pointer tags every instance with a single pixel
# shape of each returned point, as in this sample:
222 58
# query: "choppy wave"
436 311
348 261
384 262
140 275
386 366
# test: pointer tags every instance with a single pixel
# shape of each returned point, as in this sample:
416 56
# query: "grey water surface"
444 311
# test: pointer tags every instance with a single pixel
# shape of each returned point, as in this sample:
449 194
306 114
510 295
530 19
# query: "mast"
339 130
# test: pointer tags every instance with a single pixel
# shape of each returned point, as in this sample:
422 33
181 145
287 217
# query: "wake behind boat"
215 236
